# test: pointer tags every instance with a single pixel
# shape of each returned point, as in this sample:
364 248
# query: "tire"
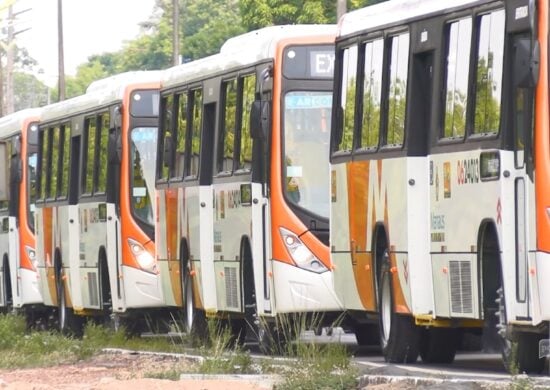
519 355
271 340
195 323
68 322
439 345
399 336
366 334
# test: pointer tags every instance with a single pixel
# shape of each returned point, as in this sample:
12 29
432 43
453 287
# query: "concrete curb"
260 380
198 359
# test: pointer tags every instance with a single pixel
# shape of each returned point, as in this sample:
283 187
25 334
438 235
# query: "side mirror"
168 151
260 119
339 126
4 184
16 170
526 62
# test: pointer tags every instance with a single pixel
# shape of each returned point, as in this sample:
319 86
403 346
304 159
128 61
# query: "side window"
44 154
167 131
4 204
65 156
459 35
181 136
54 169
372 94
101 166
227 133
397 98
89 155
347 98
245 152
489 69
196 124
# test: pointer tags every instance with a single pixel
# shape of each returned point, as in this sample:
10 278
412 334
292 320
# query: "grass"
315 366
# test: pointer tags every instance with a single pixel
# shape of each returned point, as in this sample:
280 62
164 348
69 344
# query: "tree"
28 91
260 13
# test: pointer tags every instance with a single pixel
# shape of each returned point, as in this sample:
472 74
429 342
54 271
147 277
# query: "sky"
90 27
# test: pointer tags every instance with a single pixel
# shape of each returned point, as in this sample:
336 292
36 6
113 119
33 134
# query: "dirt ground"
113 371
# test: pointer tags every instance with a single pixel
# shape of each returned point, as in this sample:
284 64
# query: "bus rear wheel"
520 354
194 319
69 323
399 336
438 345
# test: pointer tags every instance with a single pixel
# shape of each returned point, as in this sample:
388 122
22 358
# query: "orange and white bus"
95 201
19 277
242 178
440 176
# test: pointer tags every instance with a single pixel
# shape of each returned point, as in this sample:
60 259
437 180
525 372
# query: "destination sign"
305 62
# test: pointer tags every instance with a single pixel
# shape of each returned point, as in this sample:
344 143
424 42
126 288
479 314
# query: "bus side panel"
232 222
370 193
66 239
340 241
14 261
167 235
201 230
459 204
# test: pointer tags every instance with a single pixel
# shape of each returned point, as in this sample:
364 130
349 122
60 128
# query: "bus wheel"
8 299
438 345
69 323
519 355
195 319
399 336
271 340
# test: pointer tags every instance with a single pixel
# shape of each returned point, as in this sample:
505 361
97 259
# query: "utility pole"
9 47
61 56
175 33
341 9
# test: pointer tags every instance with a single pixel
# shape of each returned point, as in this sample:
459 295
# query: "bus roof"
11 124
393 11
100 93
242 50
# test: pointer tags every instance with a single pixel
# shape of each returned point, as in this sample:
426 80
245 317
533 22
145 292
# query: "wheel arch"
488 262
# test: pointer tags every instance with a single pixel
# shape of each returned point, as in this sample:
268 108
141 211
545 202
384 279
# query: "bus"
18 275
95 206
439 169
242 181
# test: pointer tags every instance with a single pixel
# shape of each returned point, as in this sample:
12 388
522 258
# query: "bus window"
306 148
44 151
167 133
245 154
227 140
347 98
181 137
372 94
397 99
89 154
65 166
4 204
144 148
55 134
101 165
32 162
196 125
458 64
488 84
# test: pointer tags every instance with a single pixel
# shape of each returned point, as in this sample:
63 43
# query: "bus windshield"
144 148
306 149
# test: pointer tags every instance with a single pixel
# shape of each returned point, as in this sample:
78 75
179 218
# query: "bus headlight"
31 254
300 253
145 260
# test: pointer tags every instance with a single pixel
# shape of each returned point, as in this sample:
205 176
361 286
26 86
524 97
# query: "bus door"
523 105
256 275
92 208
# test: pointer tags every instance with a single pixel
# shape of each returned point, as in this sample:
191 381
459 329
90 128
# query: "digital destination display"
305 62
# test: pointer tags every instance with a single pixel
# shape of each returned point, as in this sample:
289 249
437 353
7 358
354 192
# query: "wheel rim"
386 309
189 309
